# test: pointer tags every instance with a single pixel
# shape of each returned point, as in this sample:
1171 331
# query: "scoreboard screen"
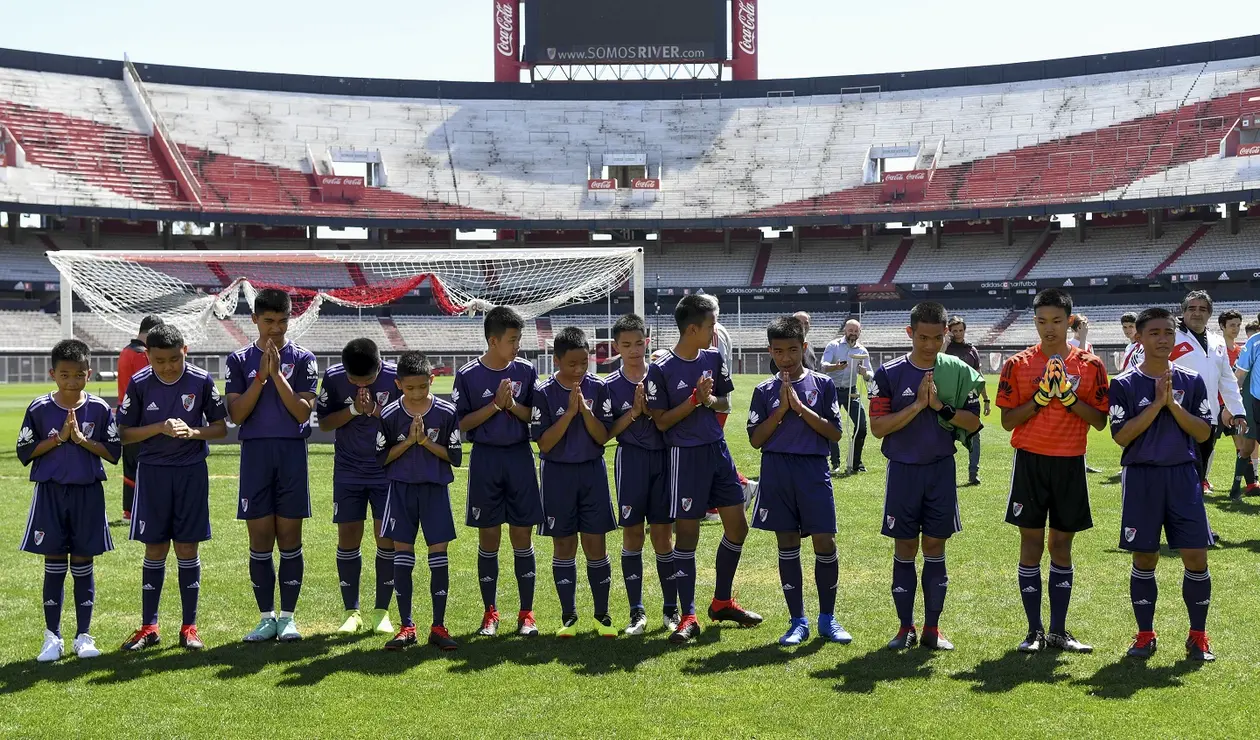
625 31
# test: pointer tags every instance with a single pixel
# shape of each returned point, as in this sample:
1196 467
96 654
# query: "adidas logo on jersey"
907 393
152 406
402 437
487 394
625 405
682 384
1144 403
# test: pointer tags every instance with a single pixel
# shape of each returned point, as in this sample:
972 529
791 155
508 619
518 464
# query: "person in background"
1230 322
809 360
722 343
962 349
836 363
132 360
1244 367
1128 324
1079 325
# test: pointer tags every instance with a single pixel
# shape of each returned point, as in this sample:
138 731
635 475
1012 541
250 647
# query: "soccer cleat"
1144 644
672 620
750 493
143 638
730 611
638 622
604 626
406 637
286 630
798 632
686 631
1092 469
489 623
830 629
712 517
1197 647
568 626
973 480
439 638
1253 489
1066 642
1207 488
352 621
906 638
52 649
934 640
837 471
266 630
525 624
380 622
859 468
85 646
126 517
189 639
1035 642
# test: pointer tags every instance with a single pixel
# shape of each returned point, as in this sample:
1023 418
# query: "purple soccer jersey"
68 464
793 436
922 441
270 419
671 380
418 465
354 451
1164 443
642 432
475 387
193 399
551 400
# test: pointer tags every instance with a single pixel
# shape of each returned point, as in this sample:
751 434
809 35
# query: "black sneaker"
934 640
1144 645
1197 647
441 639
1035 642
406 637
142 638
906 638
1066 642
672 619
688 630
974 480
731 611
859 468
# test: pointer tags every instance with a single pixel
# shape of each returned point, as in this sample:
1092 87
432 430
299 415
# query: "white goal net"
190 288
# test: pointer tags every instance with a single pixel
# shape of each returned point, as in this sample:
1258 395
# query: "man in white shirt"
1128 324
843 360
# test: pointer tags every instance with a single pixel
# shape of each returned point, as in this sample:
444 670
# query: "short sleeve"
449 431
233 375
540 417
528 388
384 433
829 353
757 411
972 402
309 380
328 402
722 383
1201 405
130 407
212 404
1099 398
880 393
28 438
830 407
107 434
1009 395
1120 412
654 389
604 406
1245 357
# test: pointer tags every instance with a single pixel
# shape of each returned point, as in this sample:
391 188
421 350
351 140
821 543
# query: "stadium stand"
973 256
834 260
1220 250
1110 251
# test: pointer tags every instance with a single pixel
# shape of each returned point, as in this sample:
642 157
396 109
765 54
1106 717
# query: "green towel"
956 381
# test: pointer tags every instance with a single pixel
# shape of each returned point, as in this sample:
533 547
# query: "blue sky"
451 39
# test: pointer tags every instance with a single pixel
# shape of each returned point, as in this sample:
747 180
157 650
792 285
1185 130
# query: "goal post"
190 288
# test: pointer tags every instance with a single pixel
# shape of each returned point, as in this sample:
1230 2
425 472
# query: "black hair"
1227 316
70 350
1053 298
148 323
1151 314
1196 295
165 336
692 310
501 318
629 322
360 357
272 300
786 327
1252 326
567 339
412 364
1128 318
955 321
927 312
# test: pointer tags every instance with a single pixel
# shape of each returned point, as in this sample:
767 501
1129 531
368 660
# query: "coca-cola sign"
645 183
599 184
746 18
1248 150
505 21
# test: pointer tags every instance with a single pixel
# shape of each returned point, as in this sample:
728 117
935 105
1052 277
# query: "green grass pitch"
734 682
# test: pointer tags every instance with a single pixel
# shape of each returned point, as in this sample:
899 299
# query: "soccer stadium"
619 165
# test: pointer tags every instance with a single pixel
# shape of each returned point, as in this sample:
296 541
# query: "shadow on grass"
1111 480
1014 669
1252 545
861 675
742 660
1123 679
234 660
1249 505
587 654
1164 552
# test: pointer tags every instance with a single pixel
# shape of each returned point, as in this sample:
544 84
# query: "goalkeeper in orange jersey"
1050 395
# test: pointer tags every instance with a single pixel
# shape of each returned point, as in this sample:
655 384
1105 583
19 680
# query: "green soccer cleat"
352 622
569 627
287 629
604 626
266 630
380 622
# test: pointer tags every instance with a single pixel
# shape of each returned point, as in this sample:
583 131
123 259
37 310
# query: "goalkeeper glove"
1045 386
1062 385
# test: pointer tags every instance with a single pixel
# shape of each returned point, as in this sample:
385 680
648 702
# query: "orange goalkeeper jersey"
1054 430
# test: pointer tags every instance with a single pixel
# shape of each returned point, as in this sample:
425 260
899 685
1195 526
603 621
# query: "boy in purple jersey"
1160 415
271 392
793 418
686 389
417 443
572 413
64 437
639 471
351 398
170 410
493 397
921 491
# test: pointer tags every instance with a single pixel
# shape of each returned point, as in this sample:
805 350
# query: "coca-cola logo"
601 184
919 175
1249 150
645 184
505 20
337 180
747 15
894 177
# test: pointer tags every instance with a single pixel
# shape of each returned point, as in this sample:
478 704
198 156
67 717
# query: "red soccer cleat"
525 624
189 639
731 611
405 638
1197 647
143 638
688 630
441 639
489 623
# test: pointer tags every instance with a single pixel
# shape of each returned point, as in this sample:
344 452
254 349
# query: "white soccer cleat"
52 649
750 493
85 646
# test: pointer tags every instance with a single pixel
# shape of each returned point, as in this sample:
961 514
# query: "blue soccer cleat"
798 632
830 629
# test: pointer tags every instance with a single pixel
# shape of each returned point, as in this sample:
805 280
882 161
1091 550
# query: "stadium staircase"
899 256
396 341
1186 246
1047 240
222 274
1001 326
759 267
235 332
356 274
